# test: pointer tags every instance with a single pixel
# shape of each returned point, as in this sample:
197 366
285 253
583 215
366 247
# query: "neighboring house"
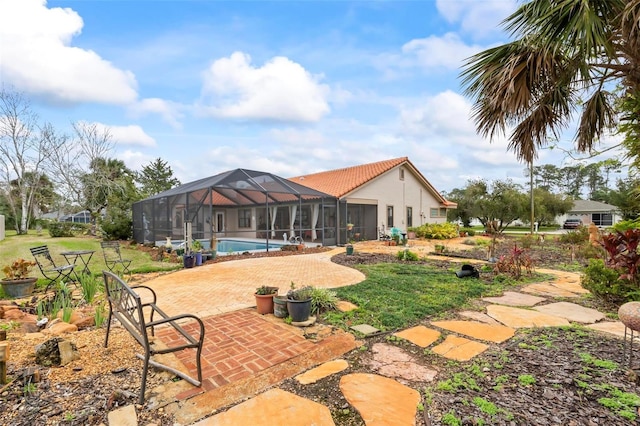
330 207
80 217
588 211
379 196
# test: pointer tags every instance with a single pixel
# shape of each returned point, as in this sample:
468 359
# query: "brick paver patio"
237 345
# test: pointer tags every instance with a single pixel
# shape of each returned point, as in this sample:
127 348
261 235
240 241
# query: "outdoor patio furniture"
48 267
113 257
137 318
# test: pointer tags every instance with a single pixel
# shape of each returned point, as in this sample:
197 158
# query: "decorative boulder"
56 352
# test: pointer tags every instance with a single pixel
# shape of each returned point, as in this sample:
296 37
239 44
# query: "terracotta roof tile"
340 182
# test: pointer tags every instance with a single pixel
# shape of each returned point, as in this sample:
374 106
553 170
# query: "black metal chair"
48 267
113 257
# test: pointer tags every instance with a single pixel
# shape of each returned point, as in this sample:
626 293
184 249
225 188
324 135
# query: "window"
602 219
389 216
409 216
244 218
438 212
401 174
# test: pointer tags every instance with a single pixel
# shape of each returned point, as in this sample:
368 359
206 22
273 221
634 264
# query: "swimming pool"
234 246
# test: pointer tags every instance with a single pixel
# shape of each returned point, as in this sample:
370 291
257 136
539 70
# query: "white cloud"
127 135
37 57
479 18
280 90
135 160
169 111
448 51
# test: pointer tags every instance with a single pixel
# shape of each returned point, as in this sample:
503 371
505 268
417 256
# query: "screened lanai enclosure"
239 204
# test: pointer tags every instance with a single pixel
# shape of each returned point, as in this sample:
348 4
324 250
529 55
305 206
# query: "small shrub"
407 255
322 300
577 236
437 231
624 225
526 241
470 232
61 229
604 282
117 225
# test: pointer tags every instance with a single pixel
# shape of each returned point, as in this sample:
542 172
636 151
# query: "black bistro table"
83 255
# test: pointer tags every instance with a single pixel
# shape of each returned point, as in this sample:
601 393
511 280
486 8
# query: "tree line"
555 190
44 170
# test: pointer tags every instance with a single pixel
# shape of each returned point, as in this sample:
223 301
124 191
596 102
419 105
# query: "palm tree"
569 56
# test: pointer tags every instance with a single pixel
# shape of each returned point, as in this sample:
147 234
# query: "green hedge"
437 231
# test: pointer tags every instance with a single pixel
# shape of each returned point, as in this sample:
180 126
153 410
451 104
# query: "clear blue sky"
286 87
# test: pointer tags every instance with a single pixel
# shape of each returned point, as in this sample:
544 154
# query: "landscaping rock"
55 351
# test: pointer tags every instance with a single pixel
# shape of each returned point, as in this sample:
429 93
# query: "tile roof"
340 182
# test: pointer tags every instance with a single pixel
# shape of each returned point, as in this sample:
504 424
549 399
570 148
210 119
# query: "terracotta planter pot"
264 303
18 288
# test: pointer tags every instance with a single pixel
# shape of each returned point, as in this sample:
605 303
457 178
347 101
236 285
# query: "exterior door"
219 223
329 223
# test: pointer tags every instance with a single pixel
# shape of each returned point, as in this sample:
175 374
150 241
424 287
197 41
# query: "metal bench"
48 267
137 317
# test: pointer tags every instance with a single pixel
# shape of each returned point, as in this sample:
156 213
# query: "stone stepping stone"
490 332
612 327
379 400
274 407
125 416
570 284
392 361
419 335
521 318
572 312
322 371
478 316
459 348
344 306
514 298
365 329
549 290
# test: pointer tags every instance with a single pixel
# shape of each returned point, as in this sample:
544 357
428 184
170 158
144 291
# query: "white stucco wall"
389 190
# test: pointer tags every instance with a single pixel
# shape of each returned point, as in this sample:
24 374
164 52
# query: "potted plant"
299 303
280 306
264 299
17 282
349 248
197 249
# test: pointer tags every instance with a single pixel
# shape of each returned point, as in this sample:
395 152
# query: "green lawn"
17 246
399 295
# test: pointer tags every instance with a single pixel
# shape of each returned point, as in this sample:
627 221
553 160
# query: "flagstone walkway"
381 398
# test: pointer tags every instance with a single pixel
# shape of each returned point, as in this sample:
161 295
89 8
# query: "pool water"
227 246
